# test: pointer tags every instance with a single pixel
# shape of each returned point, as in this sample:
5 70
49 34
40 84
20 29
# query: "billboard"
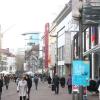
80 73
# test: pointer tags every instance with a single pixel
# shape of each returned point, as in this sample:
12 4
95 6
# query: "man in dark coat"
29 85
36 81
6 79
69 83
56 83
1 85
49 80
62 82
92 86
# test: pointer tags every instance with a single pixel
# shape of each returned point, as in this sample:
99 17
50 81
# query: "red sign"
46 44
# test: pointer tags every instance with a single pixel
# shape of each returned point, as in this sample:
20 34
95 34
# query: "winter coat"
22 88
1 85
49 80
56 80
6 79
69 81
62 82
29 82
36 79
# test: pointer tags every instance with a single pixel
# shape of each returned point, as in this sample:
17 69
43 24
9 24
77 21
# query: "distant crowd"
24 83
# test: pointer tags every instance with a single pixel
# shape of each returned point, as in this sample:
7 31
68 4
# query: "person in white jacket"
22 88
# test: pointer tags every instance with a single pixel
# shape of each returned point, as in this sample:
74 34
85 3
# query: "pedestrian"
17 80
69 83
62 82
1 85
29 85
56 83
49 80
22 88
93 86
6 80
36 81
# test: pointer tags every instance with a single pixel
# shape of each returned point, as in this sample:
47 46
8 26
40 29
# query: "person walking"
6 80
22 88
1 85
62 82
49 80
56 83
69 83
29 85
36 81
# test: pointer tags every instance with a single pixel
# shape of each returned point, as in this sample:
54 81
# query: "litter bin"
85 97
75 96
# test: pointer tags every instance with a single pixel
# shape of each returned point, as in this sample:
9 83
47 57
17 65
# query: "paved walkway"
43 93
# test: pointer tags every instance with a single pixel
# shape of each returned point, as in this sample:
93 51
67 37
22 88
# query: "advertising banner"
80 73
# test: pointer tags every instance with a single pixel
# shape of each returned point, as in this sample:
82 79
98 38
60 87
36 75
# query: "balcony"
91 13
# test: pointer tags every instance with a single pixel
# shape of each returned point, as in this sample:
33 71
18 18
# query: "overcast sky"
21 16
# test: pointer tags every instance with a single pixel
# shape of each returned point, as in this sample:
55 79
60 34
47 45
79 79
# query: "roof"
6 52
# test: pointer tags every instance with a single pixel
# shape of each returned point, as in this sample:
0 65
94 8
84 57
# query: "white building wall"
99 34
70 26
53 54
11 64
61 34
61 30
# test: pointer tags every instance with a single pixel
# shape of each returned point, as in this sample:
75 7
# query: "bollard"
85 97
85 94
75 96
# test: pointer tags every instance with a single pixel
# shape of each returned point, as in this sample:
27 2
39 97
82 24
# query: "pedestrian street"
43 93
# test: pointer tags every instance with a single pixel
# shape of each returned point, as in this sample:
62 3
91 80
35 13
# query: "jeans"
23 98
0 95
56 89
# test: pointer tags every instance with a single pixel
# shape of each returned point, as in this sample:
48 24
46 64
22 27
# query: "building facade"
8 62
60 40
64 41
90 36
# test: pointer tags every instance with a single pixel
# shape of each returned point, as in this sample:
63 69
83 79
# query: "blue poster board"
80 73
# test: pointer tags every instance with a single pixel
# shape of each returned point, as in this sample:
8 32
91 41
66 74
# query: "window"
61 53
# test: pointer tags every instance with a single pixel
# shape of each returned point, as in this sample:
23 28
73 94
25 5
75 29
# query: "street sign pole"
80 55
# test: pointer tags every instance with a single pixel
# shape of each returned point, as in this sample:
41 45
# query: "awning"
95 49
